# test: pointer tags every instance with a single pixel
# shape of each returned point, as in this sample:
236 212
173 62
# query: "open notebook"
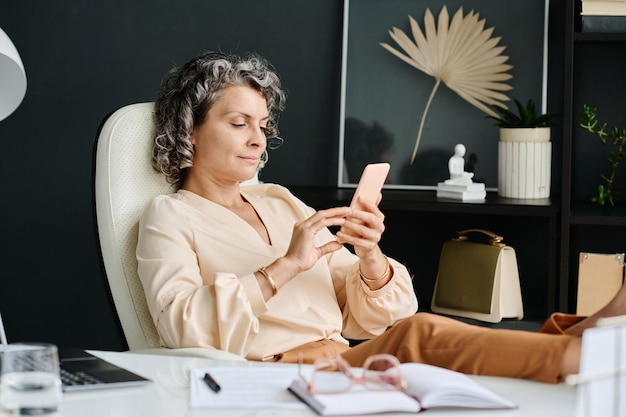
83 371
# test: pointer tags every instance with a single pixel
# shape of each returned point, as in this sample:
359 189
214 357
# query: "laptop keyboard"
78 378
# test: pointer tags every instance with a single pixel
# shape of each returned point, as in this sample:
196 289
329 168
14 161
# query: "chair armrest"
199 352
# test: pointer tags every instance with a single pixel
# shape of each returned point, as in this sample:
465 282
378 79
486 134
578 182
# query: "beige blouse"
197 261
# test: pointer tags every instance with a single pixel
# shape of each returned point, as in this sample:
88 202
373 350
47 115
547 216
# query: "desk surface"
168 396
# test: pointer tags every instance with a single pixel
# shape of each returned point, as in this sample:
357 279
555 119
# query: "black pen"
208 379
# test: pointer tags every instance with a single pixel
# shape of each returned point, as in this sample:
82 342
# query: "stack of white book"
469 192
603 15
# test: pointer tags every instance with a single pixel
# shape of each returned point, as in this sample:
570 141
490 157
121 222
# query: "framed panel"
383 98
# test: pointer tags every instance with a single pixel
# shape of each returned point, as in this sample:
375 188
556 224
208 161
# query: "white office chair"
124 185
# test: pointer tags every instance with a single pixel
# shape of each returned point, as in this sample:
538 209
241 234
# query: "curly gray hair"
188 92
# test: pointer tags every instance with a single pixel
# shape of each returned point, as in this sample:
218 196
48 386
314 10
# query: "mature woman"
254 271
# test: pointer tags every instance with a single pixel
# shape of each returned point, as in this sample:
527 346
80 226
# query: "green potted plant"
617 136
527 116
524 151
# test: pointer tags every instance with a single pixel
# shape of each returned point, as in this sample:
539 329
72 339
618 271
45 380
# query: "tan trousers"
452 344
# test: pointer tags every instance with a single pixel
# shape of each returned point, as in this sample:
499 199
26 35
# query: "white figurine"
460 186
456 166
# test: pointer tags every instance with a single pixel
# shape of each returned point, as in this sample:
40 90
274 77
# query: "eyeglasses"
334 375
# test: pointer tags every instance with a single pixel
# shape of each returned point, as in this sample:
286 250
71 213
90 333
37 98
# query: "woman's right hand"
302 252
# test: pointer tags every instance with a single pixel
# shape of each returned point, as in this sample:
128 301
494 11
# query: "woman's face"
229 144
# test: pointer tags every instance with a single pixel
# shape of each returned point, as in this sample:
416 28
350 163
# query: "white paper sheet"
243 388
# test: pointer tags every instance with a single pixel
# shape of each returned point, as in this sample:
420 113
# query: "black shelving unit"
593 75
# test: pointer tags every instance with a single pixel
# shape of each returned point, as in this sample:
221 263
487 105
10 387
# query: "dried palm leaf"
461 54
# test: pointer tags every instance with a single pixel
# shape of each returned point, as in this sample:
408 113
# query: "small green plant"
617 136
526 116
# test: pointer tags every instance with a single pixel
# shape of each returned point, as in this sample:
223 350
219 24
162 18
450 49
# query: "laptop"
81 371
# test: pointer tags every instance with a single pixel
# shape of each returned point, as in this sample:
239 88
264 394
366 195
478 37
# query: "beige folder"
600 276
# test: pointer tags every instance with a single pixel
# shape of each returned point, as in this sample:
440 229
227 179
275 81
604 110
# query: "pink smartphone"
371 182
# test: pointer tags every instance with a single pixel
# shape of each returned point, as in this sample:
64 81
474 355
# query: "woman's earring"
263 160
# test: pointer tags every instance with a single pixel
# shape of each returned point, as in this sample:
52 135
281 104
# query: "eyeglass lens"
382 374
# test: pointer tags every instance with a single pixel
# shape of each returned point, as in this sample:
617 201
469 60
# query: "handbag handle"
494 240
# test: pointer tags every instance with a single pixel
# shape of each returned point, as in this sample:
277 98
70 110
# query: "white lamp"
12 77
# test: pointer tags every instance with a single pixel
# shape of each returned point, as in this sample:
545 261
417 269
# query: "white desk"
168 396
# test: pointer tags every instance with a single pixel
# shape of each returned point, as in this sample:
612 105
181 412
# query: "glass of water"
30 383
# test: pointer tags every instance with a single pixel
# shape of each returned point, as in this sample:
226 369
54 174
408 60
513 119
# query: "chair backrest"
125 183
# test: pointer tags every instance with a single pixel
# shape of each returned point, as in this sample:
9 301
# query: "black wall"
84 59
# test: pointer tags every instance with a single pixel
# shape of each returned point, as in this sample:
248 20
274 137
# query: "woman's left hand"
364 229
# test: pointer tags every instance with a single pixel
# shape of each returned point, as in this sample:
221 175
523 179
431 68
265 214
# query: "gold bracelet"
384 275
269 279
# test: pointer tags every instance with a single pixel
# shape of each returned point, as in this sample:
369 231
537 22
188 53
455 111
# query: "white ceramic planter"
524 162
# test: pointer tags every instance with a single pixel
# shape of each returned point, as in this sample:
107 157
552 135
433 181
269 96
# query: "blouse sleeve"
187 310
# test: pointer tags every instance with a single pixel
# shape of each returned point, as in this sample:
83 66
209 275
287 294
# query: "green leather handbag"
478 280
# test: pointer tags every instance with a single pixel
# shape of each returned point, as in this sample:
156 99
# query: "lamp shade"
12 77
